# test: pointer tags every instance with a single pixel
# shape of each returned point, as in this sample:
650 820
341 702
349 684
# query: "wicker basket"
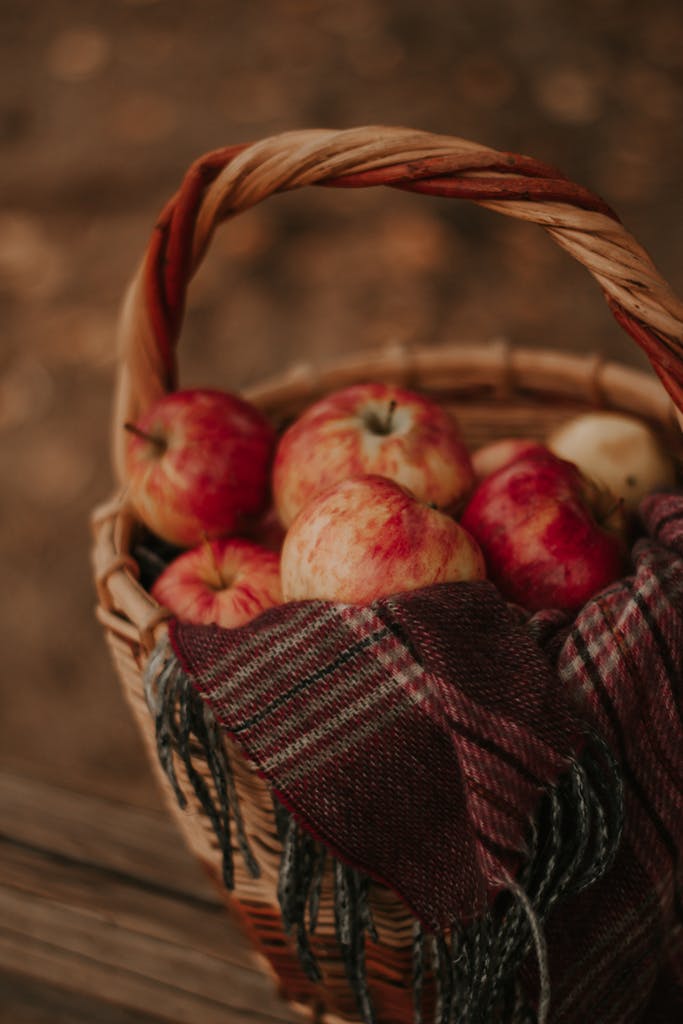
497 391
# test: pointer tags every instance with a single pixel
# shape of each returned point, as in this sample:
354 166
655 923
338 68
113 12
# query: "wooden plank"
27 1001
138 843
85 912
136 907
125 988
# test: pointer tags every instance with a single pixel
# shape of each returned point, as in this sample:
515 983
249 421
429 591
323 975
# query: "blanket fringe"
474 971
183 723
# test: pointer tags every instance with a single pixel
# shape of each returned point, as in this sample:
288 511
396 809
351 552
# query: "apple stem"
133 429
219 578
376 424
605 516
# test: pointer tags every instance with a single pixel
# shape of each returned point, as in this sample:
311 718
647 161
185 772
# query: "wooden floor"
105 919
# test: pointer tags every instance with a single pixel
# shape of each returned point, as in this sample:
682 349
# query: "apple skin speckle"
375 429
368 537
226 582
211 472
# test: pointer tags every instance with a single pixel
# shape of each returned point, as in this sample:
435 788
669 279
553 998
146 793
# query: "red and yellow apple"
198 462
367 537
227 582
373 429
543 543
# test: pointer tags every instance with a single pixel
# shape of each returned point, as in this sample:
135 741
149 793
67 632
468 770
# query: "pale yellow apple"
617 451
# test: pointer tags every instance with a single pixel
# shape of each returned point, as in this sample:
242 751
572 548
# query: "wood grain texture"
25 1000
104 916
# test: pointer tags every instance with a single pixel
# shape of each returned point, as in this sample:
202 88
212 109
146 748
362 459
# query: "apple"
371 429
367 537
227 582
198 462
496 454
543 544
618 451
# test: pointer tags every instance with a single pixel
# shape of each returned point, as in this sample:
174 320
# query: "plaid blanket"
517 781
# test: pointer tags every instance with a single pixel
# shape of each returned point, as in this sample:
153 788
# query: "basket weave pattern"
497 392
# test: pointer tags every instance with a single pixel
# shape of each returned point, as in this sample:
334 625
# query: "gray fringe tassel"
297 867
473 972
186 728
572 844
352 919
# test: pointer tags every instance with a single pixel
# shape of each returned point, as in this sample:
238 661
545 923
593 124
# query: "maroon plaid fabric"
623 658
360 717
416 737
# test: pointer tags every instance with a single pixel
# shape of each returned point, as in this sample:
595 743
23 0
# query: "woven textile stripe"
641 720
619 943
395 745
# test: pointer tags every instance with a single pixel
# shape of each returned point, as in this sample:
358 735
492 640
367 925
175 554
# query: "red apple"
544 546
227 582
493 456
377 429
368 537
198 462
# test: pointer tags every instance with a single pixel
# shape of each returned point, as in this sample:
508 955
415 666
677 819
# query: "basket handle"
227 181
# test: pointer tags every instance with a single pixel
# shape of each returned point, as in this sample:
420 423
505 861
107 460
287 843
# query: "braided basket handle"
225 182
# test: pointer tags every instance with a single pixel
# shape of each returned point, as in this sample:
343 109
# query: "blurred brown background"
103 106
